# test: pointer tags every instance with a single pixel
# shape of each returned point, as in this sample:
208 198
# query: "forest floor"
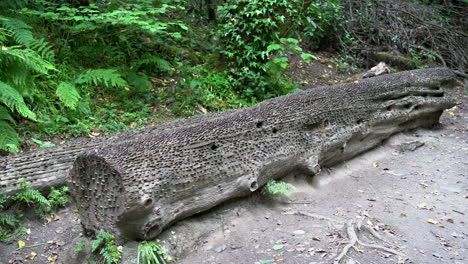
407 196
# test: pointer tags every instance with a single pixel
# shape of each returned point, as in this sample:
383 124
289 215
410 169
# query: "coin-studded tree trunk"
139 185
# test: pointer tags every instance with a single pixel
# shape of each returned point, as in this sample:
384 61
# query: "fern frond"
21 31
9 139
43 48
58 197
8 220
106 77
68 94
155 63
10 97
5 115
10 228
28 57
4 34
32 197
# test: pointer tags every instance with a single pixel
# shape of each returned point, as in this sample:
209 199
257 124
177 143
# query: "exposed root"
352 227
353 240
316 216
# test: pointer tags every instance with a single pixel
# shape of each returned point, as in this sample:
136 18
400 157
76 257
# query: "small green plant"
106 248
58 197
10 216
33 198
277 187
10 225
150 252
79 247
42 144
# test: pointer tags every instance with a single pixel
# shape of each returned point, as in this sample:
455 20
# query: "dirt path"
416 201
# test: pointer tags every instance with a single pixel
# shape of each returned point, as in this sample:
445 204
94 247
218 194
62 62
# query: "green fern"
10 228
3 200
28 57
9 139
68 94
43 48
150 252
106 77
4 35
58 197
21 31
10 225
110 252
10 97
33 198
277 187
154 63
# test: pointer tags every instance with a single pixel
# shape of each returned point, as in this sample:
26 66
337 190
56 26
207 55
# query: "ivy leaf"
273 47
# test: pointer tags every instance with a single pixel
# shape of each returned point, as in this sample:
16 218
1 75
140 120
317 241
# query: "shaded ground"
416 201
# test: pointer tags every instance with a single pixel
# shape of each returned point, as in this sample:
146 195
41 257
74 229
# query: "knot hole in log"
253 186
214 147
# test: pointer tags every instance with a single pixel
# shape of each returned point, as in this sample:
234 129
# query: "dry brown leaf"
31 255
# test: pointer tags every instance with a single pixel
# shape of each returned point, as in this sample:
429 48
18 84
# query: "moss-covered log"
139 185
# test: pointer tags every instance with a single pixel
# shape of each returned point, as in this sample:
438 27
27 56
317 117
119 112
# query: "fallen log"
45 168
137 186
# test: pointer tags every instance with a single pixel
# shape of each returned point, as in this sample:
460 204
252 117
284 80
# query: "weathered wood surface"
43 167
49 167
137 186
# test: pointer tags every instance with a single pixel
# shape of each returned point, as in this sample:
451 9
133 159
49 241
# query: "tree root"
353 240
351 228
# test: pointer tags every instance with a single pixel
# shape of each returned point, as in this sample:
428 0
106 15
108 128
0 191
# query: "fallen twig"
316 216
35 245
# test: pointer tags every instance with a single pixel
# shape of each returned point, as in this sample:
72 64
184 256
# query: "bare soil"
408 196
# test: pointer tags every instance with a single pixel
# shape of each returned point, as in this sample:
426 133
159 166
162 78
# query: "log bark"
136 187
45 168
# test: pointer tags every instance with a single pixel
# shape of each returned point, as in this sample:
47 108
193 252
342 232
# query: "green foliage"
206 90
58 197
251 34
10 224
320 20
277 187
150 252
10 228
108 78
21 31
68 94
105 246
9 139
79 247
10 218
33 198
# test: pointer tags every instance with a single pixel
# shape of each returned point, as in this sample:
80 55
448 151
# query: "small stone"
220 249
299 232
